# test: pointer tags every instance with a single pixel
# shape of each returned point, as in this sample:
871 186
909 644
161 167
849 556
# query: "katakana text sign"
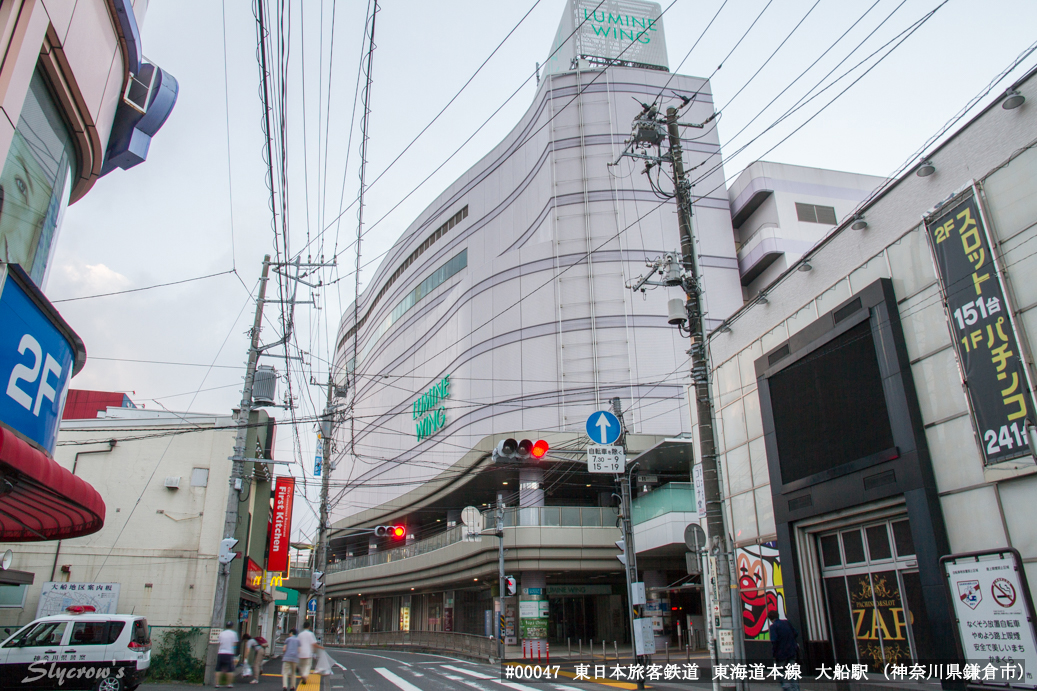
983 332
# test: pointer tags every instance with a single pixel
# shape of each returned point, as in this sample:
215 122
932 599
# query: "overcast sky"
199 204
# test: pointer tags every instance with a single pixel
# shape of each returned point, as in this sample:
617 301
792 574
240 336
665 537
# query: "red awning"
40 500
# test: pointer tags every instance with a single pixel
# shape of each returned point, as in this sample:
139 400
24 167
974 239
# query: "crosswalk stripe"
469 672
401 683
513 685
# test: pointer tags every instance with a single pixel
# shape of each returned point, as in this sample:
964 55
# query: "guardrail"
446 641
545 516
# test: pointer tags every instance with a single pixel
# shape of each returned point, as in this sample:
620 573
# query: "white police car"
77 650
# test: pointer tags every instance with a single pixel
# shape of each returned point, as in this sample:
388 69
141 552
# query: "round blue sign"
603 427
312 605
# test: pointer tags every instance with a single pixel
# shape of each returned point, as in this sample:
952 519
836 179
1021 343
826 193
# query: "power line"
137 290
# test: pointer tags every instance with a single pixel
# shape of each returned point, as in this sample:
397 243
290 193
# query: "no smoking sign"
1003 592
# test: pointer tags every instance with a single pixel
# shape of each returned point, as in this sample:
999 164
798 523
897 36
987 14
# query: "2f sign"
29 385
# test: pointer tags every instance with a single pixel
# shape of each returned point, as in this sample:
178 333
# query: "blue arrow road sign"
603 427
312 605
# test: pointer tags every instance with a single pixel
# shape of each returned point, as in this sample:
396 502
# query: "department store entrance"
573 618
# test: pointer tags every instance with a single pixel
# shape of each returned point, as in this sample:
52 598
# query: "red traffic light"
396 532
539 449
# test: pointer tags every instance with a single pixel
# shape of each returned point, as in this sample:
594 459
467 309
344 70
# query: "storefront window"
874 597
36 182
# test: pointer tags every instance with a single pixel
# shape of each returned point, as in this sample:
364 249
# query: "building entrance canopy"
40 500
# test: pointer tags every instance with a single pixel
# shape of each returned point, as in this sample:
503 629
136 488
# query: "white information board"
56 598
991 604
606 459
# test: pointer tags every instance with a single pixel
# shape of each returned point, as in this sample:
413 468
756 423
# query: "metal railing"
543 516
470 644
299 572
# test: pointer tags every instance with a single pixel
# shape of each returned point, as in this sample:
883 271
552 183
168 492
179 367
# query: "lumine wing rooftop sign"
625 30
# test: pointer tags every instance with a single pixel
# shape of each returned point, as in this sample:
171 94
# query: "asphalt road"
383 670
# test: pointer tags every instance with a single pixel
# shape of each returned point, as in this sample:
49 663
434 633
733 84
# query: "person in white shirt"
307 648
225 656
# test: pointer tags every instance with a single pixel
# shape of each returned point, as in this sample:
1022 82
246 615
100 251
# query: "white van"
77 650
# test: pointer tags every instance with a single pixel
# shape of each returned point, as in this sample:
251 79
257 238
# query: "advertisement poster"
991 604
281 524
759 587
983 333
533 615
880 619
55 598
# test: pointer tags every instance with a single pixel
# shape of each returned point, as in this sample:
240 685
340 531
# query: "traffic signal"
396 532
227 552
316 580
511 584
622 544
514 451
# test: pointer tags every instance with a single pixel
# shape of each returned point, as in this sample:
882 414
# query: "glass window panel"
826 214
878 543
916 616
570 515
839 618
114 629
902 538
88 633
805 212
853 546
830 550
35 182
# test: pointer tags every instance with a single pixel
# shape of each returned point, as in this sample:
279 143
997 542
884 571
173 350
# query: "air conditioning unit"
173 482
264 386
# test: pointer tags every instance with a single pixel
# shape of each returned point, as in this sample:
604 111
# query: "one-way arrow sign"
603 427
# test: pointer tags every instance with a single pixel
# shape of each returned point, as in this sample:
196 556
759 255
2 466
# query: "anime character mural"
760 586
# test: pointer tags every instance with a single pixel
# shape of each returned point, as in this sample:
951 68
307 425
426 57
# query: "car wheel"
110 684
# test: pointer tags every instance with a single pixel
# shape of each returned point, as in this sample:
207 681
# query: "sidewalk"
269 680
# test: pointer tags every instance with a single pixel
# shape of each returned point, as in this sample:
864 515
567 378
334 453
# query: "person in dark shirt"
784 648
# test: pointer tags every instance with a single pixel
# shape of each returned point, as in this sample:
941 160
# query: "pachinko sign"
428 411
281 525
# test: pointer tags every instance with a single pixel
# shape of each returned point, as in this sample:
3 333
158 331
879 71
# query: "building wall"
535 332
151 535
790 184
982 507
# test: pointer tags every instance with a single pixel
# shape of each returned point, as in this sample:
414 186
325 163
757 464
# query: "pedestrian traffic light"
227 552
316 580
396 532
514 451
511 584
622 544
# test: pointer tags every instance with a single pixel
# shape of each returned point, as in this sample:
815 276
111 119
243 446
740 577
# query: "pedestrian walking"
307 651
784 647
289 662
228 641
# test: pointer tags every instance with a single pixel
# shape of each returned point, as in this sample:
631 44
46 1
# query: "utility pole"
715 530
649 130
230 524
499 530
320 560
629 552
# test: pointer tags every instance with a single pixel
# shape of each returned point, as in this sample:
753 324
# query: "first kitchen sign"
39 354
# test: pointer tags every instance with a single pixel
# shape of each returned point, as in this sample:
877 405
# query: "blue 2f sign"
36 361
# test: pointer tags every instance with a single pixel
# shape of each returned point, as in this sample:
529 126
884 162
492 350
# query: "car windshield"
44 633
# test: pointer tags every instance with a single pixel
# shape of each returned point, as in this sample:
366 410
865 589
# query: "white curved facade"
512 284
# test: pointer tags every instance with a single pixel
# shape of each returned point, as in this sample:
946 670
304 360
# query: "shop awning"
40 500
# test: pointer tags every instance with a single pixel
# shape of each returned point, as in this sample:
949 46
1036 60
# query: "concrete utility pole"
629 552
320 560
715 530
499 530
219 609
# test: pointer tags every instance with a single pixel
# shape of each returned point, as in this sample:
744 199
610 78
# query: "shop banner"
993 608
281 525
984 333
36 362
